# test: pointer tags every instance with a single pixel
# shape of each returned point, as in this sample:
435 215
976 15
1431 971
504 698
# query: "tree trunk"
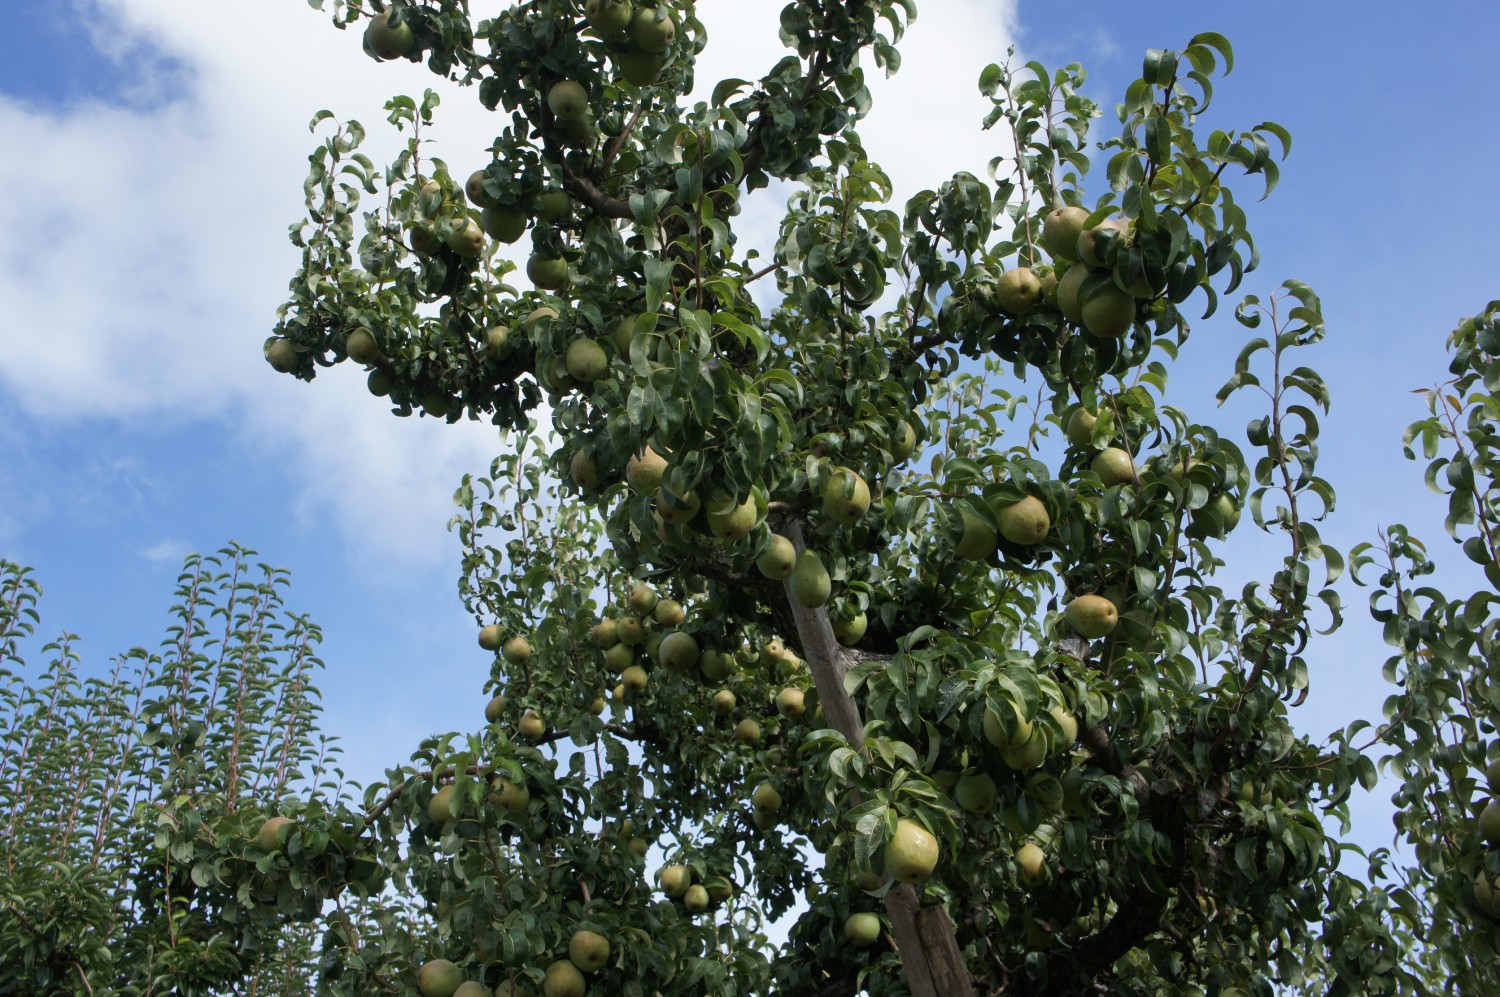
924 935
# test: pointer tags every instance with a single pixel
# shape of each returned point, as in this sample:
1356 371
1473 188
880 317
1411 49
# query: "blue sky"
157 155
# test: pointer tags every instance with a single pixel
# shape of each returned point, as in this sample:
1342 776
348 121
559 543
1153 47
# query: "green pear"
361 346
438 978
847 497
976 793
1070 291
586 360
862 929
979 539
911 854
1108 312
1061 229
810 583
568 99
1079 428
778 560
1025 522
1114 466
678 651
1019 290
588 950
850 632
503 222
1091 616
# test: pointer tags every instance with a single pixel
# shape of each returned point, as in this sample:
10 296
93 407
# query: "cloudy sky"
156 154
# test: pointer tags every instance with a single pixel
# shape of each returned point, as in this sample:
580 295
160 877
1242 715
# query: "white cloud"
155 252
166 552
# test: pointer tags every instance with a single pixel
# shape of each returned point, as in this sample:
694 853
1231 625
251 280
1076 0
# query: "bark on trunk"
925 936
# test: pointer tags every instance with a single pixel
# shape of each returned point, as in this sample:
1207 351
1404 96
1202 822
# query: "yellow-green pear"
491 637
517 650
274 832
511 796
862 929
438 978
696 898
563 980
810 583
676 509
911 854
531 727
778 560
669 613
1061 229
1019 290
1033 864
675 879
791 702
1025 522
440 808
1114 466
730 521
494 709
1091 616
979 539
847 497
849 632
1080 427
588 950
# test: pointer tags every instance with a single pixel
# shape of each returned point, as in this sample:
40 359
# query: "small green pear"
979 539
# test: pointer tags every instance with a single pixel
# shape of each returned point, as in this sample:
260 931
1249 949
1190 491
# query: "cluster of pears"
646 631
1024 745
1024 522
515 649
504 793
680 883
1487 888
642 33
588 952
1085 291
846 499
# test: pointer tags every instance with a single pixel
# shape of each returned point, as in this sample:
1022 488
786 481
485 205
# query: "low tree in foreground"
147 839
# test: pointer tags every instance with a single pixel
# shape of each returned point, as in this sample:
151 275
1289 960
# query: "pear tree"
948 661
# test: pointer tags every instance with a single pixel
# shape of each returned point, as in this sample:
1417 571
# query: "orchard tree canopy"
873 579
